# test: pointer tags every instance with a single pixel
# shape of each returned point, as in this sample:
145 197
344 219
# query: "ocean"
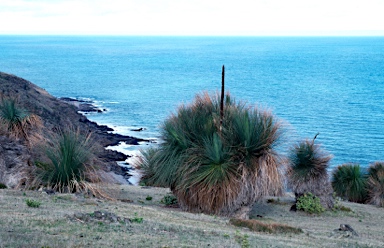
328 85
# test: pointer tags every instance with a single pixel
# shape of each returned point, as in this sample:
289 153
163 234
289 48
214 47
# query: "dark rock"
138 129
348 228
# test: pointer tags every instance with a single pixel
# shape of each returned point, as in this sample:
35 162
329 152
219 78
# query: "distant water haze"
328 85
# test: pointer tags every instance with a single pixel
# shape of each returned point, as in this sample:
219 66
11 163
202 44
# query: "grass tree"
349 182
216 163
307 172
375 184
69 167
15 120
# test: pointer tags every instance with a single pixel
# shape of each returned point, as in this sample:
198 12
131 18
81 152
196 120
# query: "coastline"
60 114
124 157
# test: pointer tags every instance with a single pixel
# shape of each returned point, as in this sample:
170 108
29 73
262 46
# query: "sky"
192 17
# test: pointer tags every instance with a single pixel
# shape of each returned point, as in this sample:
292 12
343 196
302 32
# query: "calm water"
334 86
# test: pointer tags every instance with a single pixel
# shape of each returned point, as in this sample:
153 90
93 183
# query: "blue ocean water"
330 85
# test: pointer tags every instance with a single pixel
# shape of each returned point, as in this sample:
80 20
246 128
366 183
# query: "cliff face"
55 115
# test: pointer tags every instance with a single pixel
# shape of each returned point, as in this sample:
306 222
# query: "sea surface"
328 85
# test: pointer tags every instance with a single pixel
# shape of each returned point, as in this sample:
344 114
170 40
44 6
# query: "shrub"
308 172
216 166
169 200
3 186
310 204
70 156
349 182
375 184
32 203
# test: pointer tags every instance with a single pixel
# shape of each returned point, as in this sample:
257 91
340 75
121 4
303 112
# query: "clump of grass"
70 166
375 184
338 206
349 182
308 172
258 226
32 203
137 219
16 120
3 186
310 204
242 239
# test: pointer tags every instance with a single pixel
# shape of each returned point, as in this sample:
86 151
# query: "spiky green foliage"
308 171
13 117
217 168
349 182
375 184
70 156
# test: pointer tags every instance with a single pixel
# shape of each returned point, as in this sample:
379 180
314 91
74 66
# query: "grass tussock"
349 182
15 121
375 184
259 226
308 172
70 165
216 166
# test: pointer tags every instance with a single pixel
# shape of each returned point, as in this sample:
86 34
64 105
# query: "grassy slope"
48 226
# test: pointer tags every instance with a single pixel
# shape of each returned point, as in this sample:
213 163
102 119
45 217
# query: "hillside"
55 114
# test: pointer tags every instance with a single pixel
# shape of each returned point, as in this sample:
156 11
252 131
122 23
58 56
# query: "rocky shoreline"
112 139
56 114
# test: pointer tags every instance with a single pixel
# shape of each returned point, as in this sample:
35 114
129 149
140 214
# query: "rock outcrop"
14 162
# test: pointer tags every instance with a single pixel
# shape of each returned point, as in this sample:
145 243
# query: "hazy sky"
192 17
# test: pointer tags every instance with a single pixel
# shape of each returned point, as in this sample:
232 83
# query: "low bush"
310 204
3 186
32 203
169 200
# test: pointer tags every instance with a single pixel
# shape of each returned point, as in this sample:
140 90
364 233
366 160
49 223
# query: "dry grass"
49 226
